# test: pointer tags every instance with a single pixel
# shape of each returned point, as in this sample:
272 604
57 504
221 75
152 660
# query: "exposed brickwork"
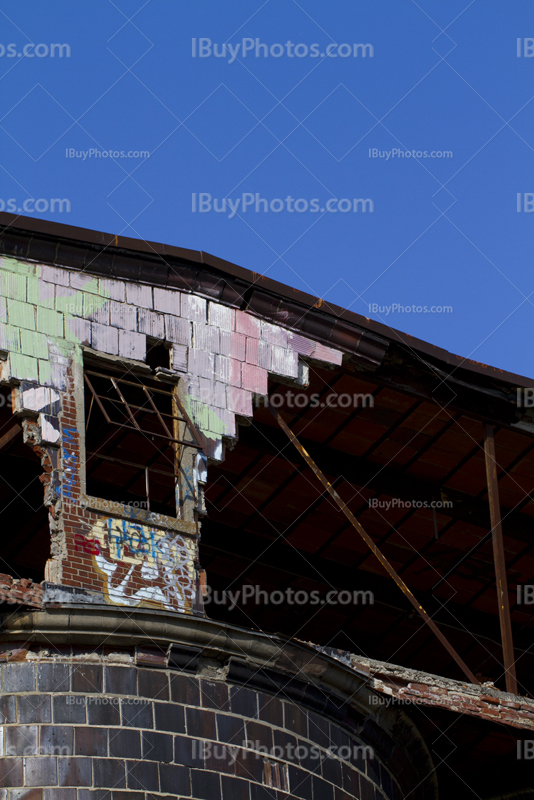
21 591
404 686
488 702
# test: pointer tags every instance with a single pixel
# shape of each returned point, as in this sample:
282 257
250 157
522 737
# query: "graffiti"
188 483
70 461
143 564
90 546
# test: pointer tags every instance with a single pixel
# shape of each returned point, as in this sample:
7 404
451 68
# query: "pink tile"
222 368
232 345
254 379
201 363
245 323
221 316
285 362
177 330
328 354
123 316
265 357
139 295
132 345
179 357
152 324
239 401
274 334
252 351
105 338
218 416
206 337
167 301
300 343
234 378
193 307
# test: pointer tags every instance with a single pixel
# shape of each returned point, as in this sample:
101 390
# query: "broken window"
137 437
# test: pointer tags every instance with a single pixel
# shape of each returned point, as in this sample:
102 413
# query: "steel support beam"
8 437
372 546
499 559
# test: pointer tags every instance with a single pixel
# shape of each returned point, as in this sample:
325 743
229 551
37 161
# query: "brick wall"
75 730
23 591
401 686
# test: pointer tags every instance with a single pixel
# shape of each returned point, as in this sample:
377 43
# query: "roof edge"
123 257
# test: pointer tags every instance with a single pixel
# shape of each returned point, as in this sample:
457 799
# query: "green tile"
24 367
41 293
22 315
14 286
9 338
50 322
33 344
70 304
45 373
14 265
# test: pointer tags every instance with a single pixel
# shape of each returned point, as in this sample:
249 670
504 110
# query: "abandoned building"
254 546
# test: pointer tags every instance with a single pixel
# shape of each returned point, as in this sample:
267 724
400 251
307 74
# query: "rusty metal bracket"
372 546
499 560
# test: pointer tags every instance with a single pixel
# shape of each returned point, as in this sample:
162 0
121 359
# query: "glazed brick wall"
126 732
224 355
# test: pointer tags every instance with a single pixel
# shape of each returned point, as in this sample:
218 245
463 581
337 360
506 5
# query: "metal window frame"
178 415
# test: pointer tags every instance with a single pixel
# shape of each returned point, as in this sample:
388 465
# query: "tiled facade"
222 358
75 731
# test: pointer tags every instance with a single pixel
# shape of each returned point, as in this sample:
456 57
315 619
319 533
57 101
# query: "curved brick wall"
75 731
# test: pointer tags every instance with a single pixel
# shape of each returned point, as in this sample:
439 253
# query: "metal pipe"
499 559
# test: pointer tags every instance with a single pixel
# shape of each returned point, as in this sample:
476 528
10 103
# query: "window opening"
137 434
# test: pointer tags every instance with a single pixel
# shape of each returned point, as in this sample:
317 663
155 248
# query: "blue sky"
269 121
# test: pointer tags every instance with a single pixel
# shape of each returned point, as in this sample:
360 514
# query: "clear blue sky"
436 77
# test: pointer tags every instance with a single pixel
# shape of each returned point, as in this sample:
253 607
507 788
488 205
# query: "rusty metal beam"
499 559
8 437
372 546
